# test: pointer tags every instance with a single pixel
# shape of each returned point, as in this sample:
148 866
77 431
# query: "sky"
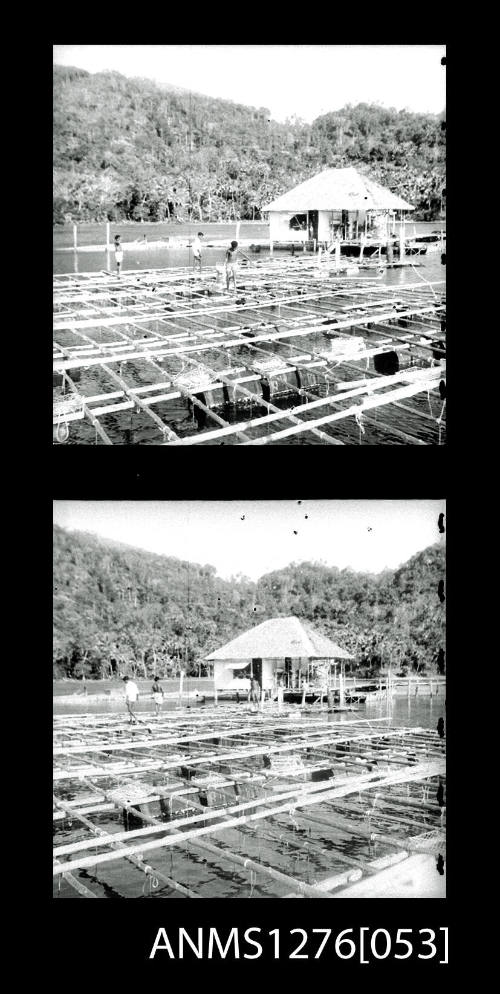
256 537
305 80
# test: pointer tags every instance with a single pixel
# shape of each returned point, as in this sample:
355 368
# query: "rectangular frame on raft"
359 758
311 298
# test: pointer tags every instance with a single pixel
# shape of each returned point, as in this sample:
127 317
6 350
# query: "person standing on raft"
131 696
158 695
197 251
230 263
254 694
118 253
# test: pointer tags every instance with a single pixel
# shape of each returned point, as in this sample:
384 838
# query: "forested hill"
129 149
119 609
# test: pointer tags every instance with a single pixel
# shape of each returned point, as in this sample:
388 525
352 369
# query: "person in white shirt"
197 250
131 696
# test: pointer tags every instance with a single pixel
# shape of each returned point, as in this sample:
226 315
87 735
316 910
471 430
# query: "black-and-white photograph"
249 699
249 245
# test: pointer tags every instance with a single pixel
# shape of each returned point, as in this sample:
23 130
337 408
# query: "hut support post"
107 236
75 238
341 686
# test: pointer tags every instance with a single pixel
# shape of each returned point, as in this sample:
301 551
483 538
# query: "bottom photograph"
249 699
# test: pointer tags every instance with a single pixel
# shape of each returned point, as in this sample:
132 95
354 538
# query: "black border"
115 939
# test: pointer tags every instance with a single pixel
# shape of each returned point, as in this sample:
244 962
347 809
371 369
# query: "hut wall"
225 678
280 230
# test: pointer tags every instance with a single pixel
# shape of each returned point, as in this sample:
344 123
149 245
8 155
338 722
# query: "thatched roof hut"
287 646
339 189
335 202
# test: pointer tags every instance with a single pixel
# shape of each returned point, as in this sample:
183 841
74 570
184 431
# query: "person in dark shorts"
118 253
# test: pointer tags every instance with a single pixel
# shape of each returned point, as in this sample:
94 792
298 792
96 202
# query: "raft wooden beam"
132 857
313 795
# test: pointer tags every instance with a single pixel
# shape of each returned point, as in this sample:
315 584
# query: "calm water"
421 712
144 257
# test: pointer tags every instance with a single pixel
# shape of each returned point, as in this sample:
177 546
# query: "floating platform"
300 354
220 802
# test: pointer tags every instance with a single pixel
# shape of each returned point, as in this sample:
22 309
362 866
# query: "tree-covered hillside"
119 609
130 149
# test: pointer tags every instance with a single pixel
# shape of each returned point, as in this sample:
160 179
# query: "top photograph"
249 245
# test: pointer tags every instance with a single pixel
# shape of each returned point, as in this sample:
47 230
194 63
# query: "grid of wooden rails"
277 803
153 341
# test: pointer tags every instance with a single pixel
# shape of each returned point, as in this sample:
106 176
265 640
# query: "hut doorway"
313 225
257 670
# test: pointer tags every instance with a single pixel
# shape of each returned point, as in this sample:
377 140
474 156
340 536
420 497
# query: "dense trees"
118 609
128 149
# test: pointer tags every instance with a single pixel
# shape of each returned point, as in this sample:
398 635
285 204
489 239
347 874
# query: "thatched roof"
336 190
278 638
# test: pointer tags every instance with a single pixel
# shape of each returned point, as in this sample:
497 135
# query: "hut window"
240 674
298 222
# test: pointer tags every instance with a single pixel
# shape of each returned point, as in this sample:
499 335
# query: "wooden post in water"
215 691
341 687
107 236
75 240
181 680
280 697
